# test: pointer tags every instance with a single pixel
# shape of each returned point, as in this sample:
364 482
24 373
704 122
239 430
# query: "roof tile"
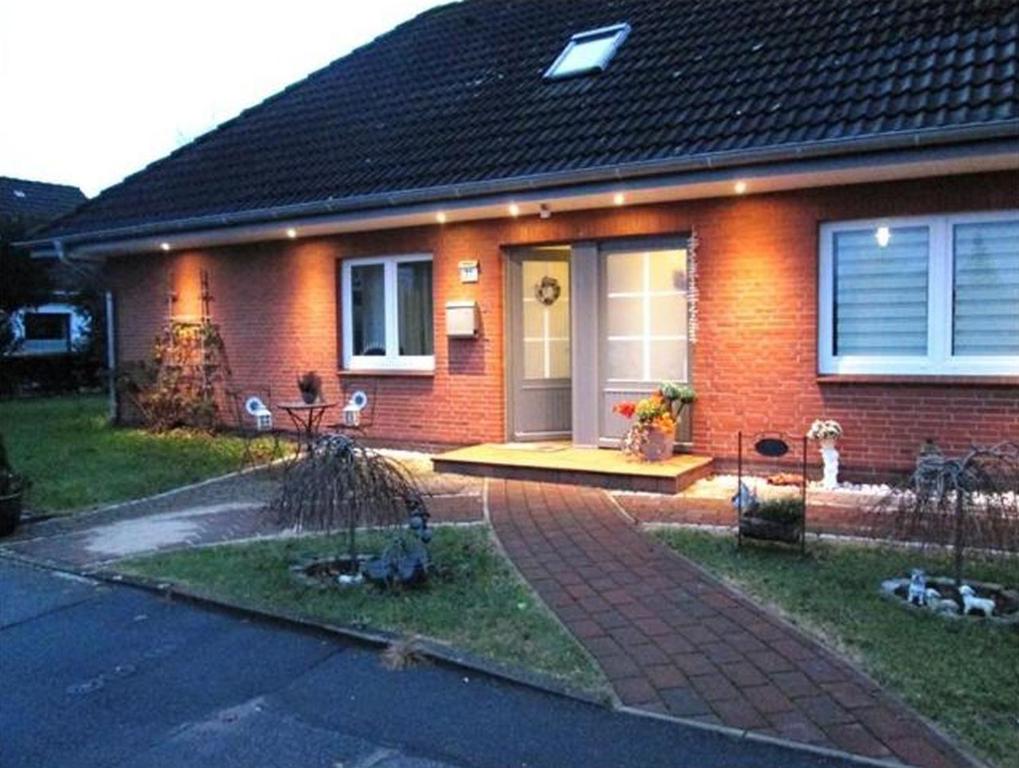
457 95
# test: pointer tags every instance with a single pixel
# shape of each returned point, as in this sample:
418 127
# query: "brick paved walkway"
672 639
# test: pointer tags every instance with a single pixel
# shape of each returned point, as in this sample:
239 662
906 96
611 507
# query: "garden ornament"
939 604
827 433
745 499
970 602
262 415
352 410
917 587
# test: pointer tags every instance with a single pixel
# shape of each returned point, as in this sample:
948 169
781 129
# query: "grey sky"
93 91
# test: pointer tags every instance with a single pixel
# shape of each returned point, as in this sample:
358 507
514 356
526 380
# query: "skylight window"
588 51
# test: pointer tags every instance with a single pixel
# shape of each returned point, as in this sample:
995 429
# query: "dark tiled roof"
457 96
36 202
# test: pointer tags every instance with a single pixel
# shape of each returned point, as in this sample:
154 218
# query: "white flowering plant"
825 429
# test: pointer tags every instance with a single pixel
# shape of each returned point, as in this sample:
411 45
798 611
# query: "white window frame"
392 360
620 33
939 360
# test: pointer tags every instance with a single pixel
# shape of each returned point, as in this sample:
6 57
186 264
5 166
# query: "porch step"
562 463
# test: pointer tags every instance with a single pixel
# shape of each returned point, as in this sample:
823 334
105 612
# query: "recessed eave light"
740 187
164 246
291 233
619 198
514 210
883 235
440 217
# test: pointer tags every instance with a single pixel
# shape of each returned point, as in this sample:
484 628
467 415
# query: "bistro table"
307 418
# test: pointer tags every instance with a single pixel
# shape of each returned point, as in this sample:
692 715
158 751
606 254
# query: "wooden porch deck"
560 462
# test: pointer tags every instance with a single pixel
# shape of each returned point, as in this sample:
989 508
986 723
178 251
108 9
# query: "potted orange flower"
653 431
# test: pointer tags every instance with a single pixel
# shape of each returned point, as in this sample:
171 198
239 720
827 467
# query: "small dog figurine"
970 602
745 499
917 587
940 604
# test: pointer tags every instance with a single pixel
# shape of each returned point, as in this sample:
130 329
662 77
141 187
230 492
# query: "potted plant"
310 385
653 431
12 489
827 432
774 520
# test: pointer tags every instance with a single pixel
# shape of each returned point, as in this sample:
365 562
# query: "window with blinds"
881 291
986 300
934 295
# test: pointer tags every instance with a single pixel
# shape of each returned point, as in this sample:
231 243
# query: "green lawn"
75 459
962 674
475 601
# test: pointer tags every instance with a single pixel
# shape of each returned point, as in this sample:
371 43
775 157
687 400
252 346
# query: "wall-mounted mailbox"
462 319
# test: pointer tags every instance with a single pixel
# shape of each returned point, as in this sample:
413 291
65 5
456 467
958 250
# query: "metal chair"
358 423
769 445
251 427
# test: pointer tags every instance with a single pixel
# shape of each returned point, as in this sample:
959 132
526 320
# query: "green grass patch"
962 674
75 459
475 601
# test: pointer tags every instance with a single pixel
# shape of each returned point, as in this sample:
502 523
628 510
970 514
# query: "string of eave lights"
692 292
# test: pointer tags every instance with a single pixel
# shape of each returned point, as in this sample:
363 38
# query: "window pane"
545 295
668 360
668 270
986 311
624 360
559 359
625 316
881 292
624 273
587 54
414 302
668 314
368 309
47 326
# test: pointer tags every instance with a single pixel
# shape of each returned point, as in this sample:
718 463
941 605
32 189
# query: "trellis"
180 386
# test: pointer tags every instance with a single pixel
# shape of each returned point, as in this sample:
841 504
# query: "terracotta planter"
10 513
658 446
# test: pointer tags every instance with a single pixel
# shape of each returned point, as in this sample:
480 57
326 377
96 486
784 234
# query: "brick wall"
754 365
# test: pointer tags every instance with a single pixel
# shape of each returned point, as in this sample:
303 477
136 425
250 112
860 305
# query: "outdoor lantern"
262 415
352 410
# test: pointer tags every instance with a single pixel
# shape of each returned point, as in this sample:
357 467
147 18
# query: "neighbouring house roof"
35 202
456 97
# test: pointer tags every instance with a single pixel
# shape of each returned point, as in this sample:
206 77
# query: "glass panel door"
539 290
644 308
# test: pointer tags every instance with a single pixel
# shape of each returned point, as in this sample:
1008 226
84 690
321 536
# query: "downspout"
111 358
111 341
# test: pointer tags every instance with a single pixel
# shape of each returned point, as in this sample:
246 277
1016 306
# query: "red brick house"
804 208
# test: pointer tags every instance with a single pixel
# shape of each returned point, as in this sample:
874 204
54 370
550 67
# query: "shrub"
785 511
342 486
968 504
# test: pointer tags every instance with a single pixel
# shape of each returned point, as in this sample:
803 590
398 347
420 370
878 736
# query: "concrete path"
673 639
218 511
97 676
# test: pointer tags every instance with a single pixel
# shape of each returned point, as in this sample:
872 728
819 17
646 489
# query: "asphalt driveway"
94 675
